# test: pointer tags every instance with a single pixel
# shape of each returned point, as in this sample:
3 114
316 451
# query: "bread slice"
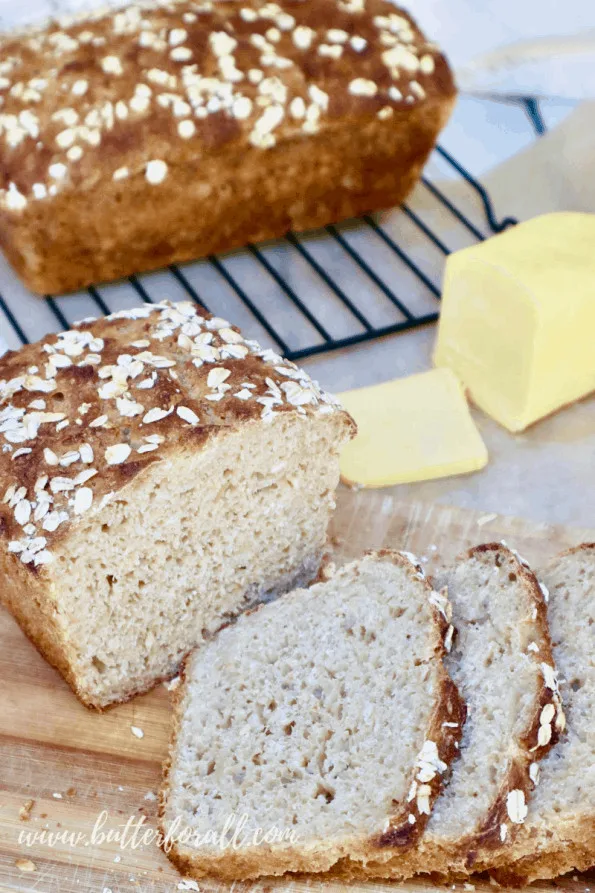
501 661
323 721
158 473
559 832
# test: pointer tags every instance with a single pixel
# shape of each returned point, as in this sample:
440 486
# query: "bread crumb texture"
288 719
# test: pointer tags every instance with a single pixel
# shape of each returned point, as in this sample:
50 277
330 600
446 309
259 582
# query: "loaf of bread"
501 661
170 130
317 726
559 832
158 474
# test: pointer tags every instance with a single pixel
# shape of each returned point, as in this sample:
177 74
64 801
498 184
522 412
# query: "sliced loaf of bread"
159 473
316 726
501 661
559 832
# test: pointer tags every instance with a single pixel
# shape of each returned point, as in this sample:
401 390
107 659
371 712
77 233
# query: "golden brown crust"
575 853
215 137
444 730
356 172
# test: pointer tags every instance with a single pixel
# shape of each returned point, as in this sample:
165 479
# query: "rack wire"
347 284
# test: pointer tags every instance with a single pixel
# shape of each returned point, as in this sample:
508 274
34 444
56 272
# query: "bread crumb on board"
25 810
25 865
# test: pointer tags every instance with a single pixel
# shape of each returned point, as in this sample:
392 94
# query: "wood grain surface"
75 764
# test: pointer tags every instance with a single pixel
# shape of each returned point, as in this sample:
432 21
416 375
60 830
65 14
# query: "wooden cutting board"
74 764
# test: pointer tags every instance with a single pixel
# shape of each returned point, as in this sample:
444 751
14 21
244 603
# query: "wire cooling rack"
308 293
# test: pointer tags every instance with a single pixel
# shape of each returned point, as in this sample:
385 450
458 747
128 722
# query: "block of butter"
518 318
411 429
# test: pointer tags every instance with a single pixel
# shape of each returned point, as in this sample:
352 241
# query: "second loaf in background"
167 131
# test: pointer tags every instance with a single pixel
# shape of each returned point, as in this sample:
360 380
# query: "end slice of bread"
316 727
501 661
559 833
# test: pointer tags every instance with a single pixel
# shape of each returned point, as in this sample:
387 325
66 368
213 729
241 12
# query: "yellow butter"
411 429
518 318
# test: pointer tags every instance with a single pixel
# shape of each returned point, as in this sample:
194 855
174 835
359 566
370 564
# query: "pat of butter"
518 318
411 429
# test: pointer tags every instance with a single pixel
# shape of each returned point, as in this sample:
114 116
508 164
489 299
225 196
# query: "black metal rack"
359 326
